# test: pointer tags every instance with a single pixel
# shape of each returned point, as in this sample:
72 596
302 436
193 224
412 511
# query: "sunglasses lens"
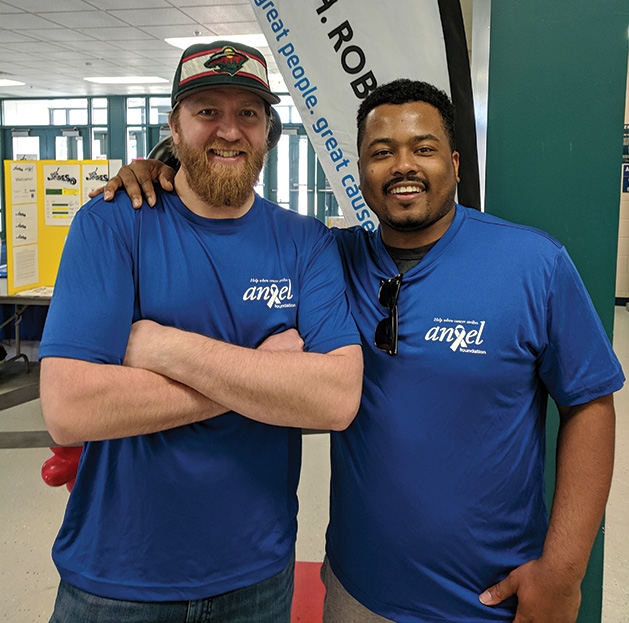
389 291
386 333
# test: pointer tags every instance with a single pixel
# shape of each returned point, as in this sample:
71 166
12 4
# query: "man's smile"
400 190
223 153
214 153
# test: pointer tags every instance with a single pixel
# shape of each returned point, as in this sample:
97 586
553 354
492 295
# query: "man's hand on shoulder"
137 180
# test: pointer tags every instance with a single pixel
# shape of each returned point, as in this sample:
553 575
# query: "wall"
557 76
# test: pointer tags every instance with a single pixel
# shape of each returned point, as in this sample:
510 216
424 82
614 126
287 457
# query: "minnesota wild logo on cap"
228 60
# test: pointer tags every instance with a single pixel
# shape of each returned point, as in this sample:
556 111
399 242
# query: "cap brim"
267 96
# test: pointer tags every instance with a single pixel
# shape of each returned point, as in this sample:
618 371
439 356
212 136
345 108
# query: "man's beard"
220 184
413 222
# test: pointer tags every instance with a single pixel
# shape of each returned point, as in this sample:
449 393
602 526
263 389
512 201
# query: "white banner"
332 53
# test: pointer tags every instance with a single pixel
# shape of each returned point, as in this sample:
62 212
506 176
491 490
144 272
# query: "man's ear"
275 129
455 162
173 130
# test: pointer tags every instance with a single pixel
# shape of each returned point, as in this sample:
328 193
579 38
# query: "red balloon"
68 453
60 469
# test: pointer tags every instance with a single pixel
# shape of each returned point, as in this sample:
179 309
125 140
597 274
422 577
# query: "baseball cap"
218 64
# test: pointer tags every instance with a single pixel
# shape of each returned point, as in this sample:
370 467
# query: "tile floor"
31 512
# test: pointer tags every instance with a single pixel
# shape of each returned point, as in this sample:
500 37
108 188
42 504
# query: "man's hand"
288 340
137 180
544 594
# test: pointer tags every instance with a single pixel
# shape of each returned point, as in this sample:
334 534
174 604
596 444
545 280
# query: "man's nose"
404 163
228 128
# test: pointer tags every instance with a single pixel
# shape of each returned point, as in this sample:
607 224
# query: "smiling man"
415 204
217 138
468 322
188 345
468 325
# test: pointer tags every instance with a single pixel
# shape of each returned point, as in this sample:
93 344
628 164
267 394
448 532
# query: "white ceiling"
51 45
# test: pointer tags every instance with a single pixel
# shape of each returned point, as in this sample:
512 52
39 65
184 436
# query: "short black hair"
403 91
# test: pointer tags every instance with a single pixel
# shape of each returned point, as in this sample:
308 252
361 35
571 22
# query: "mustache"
405 178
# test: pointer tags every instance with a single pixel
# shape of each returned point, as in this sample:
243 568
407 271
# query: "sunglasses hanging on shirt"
386 337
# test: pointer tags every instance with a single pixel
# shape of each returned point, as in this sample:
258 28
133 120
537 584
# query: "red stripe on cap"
213 73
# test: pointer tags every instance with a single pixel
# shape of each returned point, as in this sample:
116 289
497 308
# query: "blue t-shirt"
438 484
207 508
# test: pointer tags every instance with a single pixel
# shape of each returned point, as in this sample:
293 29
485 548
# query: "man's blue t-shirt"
438 484
207 508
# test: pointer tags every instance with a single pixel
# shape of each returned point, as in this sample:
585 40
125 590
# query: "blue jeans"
268 601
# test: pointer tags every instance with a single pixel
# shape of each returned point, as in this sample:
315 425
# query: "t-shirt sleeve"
578 364
91 309
324 319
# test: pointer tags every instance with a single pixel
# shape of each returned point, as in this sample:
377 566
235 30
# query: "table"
20 303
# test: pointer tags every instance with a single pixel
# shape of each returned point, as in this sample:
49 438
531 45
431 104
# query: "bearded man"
186 346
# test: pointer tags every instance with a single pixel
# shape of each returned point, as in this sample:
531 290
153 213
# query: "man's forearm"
585 457
281 388
83 401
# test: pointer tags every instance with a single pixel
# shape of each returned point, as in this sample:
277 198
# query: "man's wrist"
567 573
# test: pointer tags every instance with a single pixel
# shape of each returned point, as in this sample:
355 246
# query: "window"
136 111
45 112
136 143
26 148
159 107
287 110
99 143
100 111
67 112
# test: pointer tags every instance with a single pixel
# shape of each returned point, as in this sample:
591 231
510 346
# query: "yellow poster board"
42 197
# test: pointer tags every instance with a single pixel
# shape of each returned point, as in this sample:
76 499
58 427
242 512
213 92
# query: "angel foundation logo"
463 336
276 293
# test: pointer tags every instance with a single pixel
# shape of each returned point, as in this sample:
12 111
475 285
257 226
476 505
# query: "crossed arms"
172 377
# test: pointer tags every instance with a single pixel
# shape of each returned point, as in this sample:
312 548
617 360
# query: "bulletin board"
42 197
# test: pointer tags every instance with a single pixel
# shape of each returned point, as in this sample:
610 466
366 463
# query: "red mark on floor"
309 593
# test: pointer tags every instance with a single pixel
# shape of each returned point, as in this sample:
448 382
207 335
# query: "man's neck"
198 206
